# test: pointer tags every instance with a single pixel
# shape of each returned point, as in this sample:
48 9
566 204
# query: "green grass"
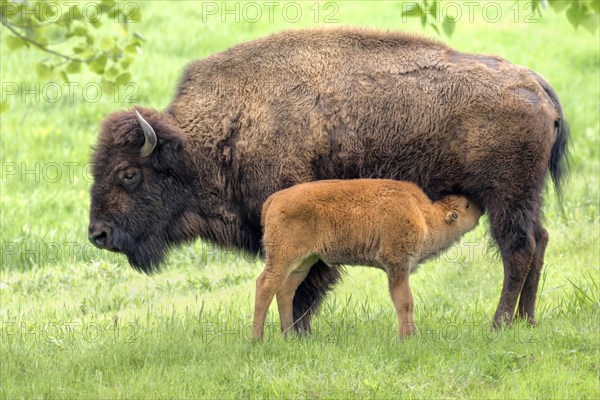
78 323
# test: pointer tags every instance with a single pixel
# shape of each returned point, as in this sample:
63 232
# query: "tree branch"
40 46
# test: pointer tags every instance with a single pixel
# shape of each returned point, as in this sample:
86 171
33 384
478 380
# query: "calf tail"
263 212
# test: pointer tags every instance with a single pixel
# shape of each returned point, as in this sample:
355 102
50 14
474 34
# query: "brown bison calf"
384 223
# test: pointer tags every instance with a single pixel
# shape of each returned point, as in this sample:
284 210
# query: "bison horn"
149 135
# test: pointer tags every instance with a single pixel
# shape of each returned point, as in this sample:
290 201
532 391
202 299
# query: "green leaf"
449 25
80 31
133 48
74 67
43 71
49 11
575 14
124 78
78 49
40 36
114 14
112 72
106 43
132 14
98 65
594 5
559 5
75 13
108 86
15 43
590 23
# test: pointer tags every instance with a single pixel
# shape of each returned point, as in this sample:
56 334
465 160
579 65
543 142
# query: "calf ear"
451 217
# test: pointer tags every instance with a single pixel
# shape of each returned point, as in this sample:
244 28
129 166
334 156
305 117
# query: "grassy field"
78 323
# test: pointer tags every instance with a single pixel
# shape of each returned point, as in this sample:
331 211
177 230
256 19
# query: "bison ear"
150 139
169 153
451 217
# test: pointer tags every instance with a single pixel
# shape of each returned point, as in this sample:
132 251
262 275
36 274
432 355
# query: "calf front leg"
402 298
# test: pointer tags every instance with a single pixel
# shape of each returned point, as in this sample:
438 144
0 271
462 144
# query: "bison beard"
332 104
144 255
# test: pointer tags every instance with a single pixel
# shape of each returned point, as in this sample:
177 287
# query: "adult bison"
323 104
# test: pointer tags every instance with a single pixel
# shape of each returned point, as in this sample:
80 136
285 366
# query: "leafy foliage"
440 16
73 35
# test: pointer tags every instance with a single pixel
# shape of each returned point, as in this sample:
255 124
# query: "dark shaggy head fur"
140 201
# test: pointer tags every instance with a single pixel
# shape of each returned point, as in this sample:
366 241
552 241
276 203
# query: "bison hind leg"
516 226
311 292
526 307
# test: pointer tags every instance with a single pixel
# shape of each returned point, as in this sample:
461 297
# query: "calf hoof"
407 330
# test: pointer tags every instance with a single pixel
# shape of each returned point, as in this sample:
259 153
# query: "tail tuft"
560 157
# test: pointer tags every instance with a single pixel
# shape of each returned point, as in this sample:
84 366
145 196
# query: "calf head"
461 214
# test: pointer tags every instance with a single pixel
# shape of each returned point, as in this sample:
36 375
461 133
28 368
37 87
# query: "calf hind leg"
268 284
310 294
285 296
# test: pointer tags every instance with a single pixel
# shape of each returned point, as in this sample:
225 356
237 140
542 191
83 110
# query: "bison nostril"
100 239
98 236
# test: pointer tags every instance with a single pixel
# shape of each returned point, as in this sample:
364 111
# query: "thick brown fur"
321 104
383 223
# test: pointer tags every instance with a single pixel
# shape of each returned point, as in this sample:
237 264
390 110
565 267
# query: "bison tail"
311 292
560 156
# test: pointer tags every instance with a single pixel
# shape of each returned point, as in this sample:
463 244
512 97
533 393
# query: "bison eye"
129 177
467 205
